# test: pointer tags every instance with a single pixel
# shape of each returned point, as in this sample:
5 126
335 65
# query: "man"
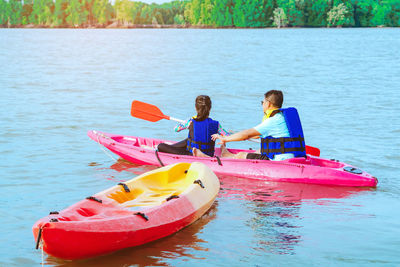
281 132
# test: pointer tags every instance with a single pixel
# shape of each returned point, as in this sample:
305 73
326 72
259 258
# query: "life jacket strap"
282 141
210 144
273 113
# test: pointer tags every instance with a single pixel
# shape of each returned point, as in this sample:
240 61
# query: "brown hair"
275 97
203 107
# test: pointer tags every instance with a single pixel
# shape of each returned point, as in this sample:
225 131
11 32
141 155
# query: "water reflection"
121 170
275 209
123 165
267 191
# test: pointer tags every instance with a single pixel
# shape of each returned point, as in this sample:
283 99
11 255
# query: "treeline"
294 13
202 13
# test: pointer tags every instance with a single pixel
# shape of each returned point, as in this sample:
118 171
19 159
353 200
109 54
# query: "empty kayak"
146 208
309 170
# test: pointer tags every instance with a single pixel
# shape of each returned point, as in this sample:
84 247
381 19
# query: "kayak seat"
121 196
147 199
155 188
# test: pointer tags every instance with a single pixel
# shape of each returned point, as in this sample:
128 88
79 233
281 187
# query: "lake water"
58 84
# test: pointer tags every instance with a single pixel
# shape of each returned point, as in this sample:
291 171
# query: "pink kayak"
310 170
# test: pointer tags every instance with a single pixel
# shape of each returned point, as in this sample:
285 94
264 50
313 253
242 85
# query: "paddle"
149 112
152 113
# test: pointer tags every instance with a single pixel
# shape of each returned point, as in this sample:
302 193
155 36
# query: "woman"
201 127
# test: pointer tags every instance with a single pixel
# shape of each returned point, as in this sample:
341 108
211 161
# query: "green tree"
254 13
76 14
179 19
206 8
123 11
102 11
218 13
192 12
59 15
339 16
15 10
378 14
248 13
137 12
392 17
318 13
268 10
228 17
42 11
4 12
239 19
292 13
146 15
362 12
280 19
26 12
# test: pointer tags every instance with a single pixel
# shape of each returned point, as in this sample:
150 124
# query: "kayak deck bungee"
310 170
146 208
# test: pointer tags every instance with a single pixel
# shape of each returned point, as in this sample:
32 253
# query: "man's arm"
239 136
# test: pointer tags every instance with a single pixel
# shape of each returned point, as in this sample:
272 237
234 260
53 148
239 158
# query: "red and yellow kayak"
146 208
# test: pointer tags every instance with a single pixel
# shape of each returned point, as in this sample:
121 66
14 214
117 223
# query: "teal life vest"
200 136
295 144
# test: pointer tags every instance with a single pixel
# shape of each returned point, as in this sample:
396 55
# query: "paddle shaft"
175 119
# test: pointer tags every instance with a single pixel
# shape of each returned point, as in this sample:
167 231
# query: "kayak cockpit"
153 189
320 162
147 143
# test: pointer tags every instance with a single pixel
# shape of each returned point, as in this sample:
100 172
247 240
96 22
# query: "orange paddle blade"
147 111
313 151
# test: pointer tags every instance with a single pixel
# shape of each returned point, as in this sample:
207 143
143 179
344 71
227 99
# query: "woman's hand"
221 138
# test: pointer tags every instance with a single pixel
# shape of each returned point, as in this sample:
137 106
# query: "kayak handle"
125 186
199 182
142 215
39 237
95 199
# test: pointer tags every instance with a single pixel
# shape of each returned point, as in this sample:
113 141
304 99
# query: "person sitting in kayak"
280 131
201 128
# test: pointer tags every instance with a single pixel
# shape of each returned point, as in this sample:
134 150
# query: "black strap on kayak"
39 237
172 197
126 188
199 182
158 158
53 212
95 199
219 161
142 215
53 220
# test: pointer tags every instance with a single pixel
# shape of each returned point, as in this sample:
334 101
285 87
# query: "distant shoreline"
162 26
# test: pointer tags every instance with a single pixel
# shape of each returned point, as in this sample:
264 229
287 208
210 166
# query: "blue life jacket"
295 144
200 136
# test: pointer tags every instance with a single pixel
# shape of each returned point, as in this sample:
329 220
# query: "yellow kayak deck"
154 187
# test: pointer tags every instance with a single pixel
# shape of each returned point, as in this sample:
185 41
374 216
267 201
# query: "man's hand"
239 136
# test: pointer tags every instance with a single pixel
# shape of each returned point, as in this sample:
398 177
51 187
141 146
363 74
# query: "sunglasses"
262 101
